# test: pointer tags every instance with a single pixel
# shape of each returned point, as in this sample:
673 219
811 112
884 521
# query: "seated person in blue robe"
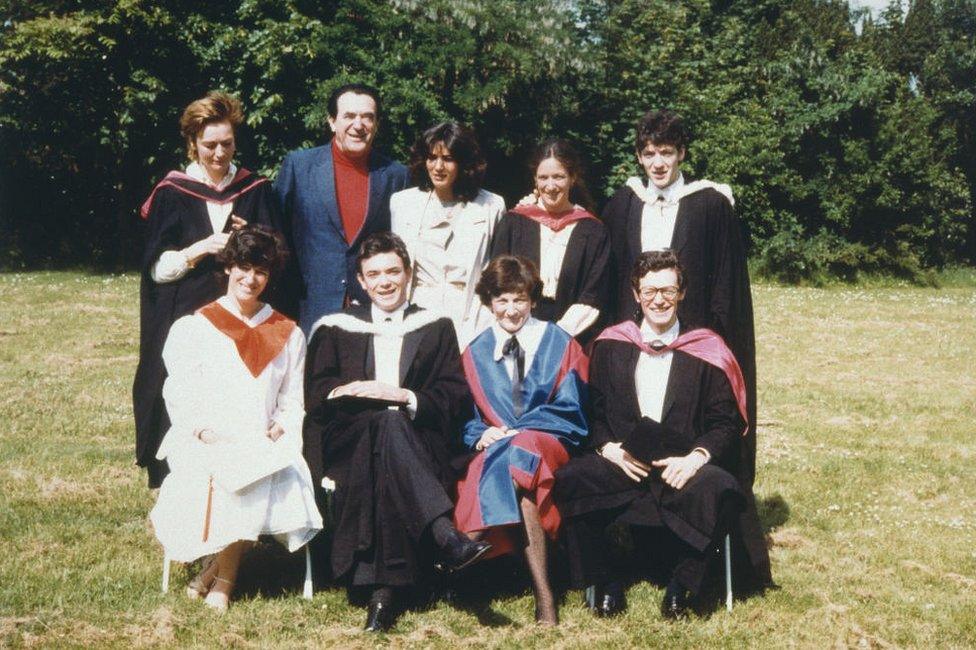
528 379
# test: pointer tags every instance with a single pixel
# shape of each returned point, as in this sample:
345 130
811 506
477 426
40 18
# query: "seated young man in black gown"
667 418
384 392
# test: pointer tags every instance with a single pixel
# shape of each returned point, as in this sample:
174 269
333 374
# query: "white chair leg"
728 574
165 572
307 590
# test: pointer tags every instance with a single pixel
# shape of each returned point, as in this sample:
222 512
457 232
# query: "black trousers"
589 562
391 493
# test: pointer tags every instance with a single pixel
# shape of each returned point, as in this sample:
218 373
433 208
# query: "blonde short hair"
217 106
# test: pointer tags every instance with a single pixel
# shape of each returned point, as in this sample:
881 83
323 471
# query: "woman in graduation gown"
528 378
234 395
569 246
447 222
189 216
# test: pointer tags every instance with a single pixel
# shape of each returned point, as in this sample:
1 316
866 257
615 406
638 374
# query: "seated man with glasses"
667 417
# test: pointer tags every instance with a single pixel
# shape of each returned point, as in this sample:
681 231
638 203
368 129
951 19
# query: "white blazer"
473 227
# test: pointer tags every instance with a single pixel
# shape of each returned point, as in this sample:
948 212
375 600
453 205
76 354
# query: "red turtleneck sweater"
352 191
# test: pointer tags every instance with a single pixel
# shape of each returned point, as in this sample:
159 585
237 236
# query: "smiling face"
355 124
442 169
553 182
245 285
661 163
384 277
215 149
659 296
512 310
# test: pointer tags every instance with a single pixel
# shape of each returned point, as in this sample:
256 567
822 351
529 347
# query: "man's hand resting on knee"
678 470
633 468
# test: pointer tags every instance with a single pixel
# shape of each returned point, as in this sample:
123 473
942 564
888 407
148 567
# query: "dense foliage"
849 141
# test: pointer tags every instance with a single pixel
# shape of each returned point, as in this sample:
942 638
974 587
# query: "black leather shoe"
460 553
676 602
608 599
380 617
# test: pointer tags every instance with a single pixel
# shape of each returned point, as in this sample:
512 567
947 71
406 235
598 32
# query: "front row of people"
441 459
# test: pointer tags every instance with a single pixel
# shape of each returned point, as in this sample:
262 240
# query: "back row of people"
328 200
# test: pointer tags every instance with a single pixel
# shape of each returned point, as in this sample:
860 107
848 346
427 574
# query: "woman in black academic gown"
189 217
559 233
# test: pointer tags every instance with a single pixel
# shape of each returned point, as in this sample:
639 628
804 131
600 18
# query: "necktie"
657 345
514 351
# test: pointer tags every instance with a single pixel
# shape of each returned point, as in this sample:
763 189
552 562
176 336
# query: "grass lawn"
867 466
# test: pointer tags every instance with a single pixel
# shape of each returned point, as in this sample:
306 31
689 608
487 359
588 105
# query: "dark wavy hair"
661 127
382 242
462 144
569 158
357 89
255 246
509 274
656 260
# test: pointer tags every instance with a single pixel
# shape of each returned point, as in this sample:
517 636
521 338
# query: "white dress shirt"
386 352
172 265
529 336
552 250
652 372
658 217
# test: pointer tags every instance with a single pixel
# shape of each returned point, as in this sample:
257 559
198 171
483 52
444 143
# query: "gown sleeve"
290 406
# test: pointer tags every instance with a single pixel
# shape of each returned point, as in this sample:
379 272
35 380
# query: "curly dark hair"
509 274
255 246
382 242
661 127
569 158
462 144
656 260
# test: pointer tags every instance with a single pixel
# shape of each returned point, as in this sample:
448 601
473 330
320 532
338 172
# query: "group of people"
472 381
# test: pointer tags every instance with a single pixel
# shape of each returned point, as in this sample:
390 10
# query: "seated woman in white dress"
447 222
234 395
528 379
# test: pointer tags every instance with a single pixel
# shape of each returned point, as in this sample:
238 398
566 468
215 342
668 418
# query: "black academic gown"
699 411
709 244
177 219
584 277
392 473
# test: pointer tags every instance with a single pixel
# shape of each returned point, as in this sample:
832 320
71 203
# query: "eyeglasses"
649 293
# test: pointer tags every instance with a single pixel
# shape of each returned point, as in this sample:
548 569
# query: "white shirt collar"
528 336
195 171
648 335
670 193
395 316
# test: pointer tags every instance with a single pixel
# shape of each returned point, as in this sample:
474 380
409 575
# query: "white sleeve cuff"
170 266
411 404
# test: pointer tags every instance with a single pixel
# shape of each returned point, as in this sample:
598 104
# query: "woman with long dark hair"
447 222
560 234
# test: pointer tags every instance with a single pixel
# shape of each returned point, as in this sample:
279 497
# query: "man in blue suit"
331 198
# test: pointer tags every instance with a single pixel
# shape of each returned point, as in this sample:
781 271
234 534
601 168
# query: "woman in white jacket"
447 222
234 395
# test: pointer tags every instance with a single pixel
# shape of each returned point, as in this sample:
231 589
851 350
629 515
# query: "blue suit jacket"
324 266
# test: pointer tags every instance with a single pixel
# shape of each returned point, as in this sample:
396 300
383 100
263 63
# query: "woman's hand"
633 468
207 246
275 432
493 435
206 436
236 223
373 389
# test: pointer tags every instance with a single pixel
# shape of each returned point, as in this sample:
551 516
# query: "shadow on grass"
773 512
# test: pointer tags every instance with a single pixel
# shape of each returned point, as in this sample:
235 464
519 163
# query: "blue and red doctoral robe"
553 395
